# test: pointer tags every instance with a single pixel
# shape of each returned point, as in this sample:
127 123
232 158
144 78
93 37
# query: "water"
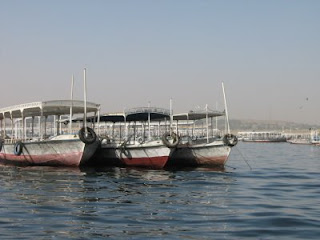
278 199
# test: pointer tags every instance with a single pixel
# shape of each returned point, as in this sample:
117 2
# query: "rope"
244 158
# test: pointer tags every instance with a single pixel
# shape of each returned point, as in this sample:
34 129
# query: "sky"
143 52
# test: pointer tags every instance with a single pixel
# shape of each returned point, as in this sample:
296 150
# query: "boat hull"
71 153
193 155
135 155
300 141
265 140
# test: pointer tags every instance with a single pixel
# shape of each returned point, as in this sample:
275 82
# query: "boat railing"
130 140
10 140
198 139
14 140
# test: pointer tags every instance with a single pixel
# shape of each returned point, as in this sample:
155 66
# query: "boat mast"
98 120
171 117
85 101
149 120
70 126
226 109
207 123
217 117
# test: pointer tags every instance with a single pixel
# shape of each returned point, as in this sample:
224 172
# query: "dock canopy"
134 114
47 108
193 115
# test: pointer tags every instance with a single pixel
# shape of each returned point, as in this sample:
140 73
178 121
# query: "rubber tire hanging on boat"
230 140
140 140
175 141
17 150
89 138
123 149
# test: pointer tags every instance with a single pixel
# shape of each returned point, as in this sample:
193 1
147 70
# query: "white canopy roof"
134 114
197 115
55 107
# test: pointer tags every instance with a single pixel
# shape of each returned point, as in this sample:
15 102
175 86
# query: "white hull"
205 154
150 154
50 153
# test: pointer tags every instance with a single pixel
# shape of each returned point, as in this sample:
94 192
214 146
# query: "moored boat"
262 136
130 140
210 149
203 150
315 138
22 145
302 141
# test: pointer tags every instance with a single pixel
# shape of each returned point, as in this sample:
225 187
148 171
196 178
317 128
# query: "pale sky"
267 53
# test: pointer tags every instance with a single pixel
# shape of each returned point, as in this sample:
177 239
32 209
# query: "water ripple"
278 199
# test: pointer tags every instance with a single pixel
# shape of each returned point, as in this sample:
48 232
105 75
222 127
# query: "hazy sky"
266 52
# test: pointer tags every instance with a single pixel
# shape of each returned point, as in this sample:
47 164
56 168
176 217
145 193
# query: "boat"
196 149
209 147
303 141
315 138
133 138
48 144
262 136
300 138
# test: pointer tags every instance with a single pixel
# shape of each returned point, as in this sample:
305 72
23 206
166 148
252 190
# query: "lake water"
277 198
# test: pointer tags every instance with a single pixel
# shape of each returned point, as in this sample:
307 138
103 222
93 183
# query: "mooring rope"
244 158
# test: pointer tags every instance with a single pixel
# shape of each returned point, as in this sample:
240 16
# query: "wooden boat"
22 145
130 140
203 150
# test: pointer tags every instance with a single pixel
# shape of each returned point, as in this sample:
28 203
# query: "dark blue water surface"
279 198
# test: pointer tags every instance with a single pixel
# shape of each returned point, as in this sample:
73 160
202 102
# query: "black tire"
230 140
17 150
166 142
140 140
1 144
89 138
124 151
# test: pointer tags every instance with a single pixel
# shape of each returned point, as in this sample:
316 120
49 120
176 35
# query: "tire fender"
17 149
175 141
88 138
230 140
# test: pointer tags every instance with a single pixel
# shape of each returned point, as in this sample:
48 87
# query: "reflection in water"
277 199
67 202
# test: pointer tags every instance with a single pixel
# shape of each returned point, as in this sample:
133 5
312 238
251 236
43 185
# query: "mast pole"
171 117
149 130
207 123
216 117
85 100
71 106
226 109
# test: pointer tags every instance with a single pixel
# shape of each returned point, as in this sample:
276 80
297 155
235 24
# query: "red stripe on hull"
199 155
66 159
71 153
152 162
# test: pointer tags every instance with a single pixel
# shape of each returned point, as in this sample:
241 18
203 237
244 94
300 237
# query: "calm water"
278 199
